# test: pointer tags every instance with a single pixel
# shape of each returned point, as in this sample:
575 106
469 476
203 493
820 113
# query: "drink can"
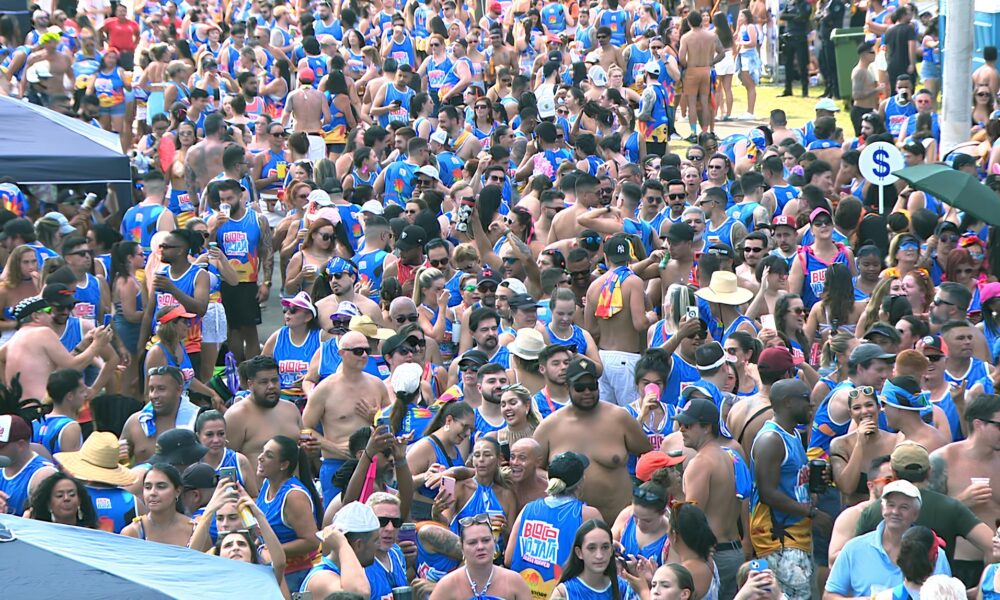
402 593
817 484
249 520
224 208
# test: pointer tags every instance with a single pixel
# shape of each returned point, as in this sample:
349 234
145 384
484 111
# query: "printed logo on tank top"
102 503
290 369
655 440
817 279
85 310
235 243
165 299
540 543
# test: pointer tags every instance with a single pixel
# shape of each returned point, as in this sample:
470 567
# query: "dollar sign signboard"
877 164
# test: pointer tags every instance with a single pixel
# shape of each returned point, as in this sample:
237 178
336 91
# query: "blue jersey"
483 426
576 589
501 357
293 359
682 373
330 360
325 564
483 501
989 585
637 60
16 486
577 339
782 194
976 373
48 429
230 460
400 115
554 17
793 482
744 478
447 345
947 404
382 578
441 457
545 540
72 335
896 115
436 73
432 566
239 240
403 51
657 129
824 428
617 21
88 299
415 420
743 212
450 167
114 507
370 267
653 551
398 181
723 233
273 509
655 431
140 223
814 274
184 364
544 403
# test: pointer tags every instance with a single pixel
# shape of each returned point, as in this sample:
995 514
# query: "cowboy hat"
724 289
527 344
97 461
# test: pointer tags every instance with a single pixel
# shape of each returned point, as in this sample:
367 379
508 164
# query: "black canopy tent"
38 145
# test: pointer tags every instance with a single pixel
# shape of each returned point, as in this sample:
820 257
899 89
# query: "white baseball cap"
903 487
356 517
430 171
373 206
515 285
406 378
440 136
598 75
320 197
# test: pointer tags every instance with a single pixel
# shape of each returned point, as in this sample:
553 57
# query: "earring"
79 514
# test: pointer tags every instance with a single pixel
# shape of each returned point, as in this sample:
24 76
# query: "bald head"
528 445
402 306
352 339
788 388
525 457
790 401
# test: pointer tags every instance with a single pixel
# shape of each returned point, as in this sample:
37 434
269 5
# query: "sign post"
877 163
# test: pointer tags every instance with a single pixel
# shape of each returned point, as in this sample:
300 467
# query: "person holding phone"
592 567
439 452
211 430
642 527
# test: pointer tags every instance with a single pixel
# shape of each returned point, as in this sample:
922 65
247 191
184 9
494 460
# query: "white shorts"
317 147
214 327
617 382
726 66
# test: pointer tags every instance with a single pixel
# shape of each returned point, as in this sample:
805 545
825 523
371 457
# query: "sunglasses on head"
412 318
585 386
480 519
865 390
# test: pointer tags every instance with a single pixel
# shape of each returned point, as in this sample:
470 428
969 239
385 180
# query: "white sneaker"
746 117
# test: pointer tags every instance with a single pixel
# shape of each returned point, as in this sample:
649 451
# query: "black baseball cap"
518 301
413 236
488 274
199 476
19 227
568 467
57 294
579 368
392 343
699 410
178 447
618 248
476 358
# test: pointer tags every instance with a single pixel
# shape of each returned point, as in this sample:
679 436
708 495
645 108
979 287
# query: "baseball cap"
783 220
944 226
176 312
652 67
775 360
827 104
307 75
904 393
320 197
818 212
618 248
866 352
598 75
515 285
909 456
721 249
901 486
64 227
440 136
592 57
709 356
518 301
883 329
346 310
19 227
476 358
429 171
356 517
680 232
199 476
406 378
178 447
413 236
57 294
392 343
301 300
488 274
568 467
373 206
580 368
495 7
13 428
934 343
989 291
652 462
699 410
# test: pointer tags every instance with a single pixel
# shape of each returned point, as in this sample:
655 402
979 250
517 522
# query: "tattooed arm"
938 478
441 540
266 252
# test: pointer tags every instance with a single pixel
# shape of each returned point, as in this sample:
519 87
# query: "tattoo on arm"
938 480
443 541
266 249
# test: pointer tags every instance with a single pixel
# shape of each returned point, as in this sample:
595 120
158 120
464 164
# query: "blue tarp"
38 145
59 561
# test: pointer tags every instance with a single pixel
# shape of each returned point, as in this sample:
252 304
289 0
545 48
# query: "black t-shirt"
948 517
897 41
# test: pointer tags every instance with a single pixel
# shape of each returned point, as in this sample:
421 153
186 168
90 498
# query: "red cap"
177 312
307 75
652 462
775 360
783 220
495 7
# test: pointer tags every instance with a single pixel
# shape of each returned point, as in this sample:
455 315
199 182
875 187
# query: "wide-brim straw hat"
97 461
725 289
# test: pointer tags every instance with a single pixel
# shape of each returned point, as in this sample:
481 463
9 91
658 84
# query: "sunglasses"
396 521
83 253
480 519
412 318
280 134
468 367
47 310
291 310
940 301
359 351
405 350
753 249
983 95
948 239
716 166
676 196
695 157
585 386
647 496
935 357
469 287
798 310
865 390
438 263
487 287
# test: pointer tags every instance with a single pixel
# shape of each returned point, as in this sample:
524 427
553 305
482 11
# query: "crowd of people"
532 344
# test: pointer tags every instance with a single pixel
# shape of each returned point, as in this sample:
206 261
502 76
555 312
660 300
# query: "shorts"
617 382
728 557
793 569
327 469
240 302
726 66
127 332
930 70
829 502
214 329
968 571
117 110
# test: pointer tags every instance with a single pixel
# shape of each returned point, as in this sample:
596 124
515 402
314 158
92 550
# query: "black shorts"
240 303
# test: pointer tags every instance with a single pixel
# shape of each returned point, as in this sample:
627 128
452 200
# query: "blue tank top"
437 72
88 299
576 589
382 579
794 473
483 426
184 364
402 114
483 500
46 431
545 540
399 182
784 193
577 339
441 457
140 223
403 51
544 404
432 566
988 588
824 428
554 17
896 115
325 564
731 329
654 434
230 460
657 128
660 334
270 168
723 233
370 266
617 21
273 509
947 404
73 334
814 271
293 360
446 345
637 60
330 360
16 487
185 283
109 88
114 507
682 374
653 551
239 240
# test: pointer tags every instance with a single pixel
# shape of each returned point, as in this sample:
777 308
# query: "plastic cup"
981 481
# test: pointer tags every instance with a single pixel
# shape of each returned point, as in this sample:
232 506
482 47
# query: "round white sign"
878 161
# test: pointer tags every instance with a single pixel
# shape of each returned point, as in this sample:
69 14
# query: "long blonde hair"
12 272
870 316
422 280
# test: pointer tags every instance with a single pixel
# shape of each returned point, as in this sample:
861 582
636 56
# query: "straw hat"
725 289
97 461
528 344
364 325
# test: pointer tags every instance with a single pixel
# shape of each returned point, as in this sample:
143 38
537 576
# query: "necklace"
475 589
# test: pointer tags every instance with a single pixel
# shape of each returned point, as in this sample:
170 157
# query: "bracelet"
368 456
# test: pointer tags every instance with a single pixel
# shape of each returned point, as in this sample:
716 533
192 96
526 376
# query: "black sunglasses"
584 386
359 351
412 318
396 521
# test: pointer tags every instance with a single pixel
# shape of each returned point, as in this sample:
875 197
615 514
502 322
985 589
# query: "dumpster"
845 47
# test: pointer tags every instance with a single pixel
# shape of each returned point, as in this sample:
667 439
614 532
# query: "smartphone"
384 421
692 312
408 532
767 322
107 319
448 483
505 450
229 472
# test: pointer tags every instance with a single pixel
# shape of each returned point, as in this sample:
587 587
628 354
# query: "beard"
266 402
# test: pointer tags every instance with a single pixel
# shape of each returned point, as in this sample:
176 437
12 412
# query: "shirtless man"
618 330
60 65
169 411
700 50
710 481
680 244
564 224
35 351
850 454
987 74
204 160
903 403
343 403
479 572
964 470
342 276
609 55
529 481
308 109
607 487
251 422
747 417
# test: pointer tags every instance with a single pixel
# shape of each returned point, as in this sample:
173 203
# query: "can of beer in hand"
249 521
